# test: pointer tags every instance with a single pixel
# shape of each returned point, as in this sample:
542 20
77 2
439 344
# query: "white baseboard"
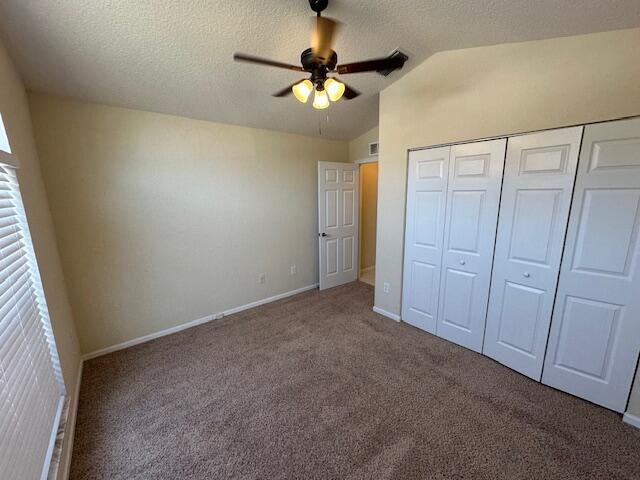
193 323
631 420
269 299
390 315
70 427
146 338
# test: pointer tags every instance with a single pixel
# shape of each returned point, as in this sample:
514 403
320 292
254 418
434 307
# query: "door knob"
462 262
526 275
323 234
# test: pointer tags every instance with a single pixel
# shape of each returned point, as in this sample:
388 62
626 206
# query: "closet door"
536 195
595 333
426 200
475 179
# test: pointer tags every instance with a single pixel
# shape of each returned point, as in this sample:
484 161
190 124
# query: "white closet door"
475 179
426 201
536 195
595 333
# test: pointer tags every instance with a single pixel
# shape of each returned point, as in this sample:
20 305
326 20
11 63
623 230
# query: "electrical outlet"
294 270
386 287
262 277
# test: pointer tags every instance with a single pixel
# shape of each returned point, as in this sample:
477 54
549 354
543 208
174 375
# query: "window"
31 388
4 141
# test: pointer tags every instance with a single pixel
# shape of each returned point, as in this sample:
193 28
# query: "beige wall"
15 113
162 220
359 147
368 213
489 91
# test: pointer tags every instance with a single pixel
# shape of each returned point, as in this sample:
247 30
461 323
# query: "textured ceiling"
175 56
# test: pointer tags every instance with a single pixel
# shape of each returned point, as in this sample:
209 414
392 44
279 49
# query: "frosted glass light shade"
321 100
302 90
334 89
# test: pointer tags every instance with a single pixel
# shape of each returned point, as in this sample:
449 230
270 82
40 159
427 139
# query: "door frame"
363 161
372 159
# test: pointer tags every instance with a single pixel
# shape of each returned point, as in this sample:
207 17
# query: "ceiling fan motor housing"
317 69
318 5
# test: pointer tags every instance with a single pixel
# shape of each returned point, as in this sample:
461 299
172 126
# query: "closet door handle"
462 262
526 274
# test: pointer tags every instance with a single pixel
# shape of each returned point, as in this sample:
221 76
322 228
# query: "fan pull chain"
320 124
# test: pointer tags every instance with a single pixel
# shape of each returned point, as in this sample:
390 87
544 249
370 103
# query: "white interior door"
595 332
426 202
536 196
338 196
473 196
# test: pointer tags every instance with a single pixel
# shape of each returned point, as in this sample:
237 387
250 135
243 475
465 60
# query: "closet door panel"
426 203
536 196
595 333
475 179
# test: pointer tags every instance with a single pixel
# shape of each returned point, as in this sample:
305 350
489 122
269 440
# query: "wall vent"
373 148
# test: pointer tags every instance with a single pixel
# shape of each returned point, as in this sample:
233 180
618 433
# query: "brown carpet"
318 386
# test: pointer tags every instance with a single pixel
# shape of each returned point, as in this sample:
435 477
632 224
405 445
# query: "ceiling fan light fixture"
320 100
334 89
320 60
302 90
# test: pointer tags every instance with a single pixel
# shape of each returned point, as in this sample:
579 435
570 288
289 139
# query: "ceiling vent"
373 148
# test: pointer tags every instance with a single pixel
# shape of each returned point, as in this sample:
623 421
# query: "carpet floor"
318 386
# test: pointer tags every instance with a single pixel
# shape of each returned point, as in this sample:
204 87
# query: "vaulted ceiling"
176 56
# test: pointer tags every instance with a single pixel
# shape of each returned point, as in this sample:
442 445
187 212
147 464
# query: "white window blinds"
31 388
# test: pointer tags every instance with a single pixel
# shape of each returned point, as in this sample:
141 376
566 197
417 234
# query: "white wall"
15 113
482 92
162 220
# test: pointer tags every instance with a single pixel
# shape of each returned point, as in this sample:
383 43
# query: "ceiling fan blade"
287 90
349 93
322 38
384 66
241 57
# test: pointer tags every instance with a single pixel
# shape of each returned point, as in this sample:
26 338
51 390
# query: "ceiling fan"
320 60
